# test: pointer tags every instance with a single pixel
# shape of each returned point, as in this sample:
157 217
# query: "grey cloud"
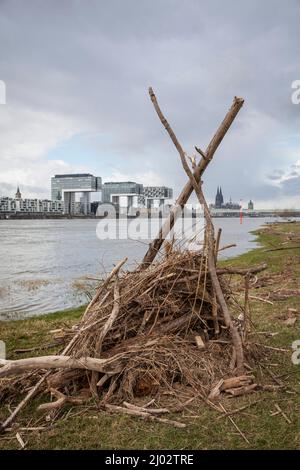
8 189
274 177
96 59
291 186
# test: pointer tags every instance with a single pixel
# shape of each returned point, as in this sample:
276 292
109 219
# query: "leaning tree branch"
201 167
236 339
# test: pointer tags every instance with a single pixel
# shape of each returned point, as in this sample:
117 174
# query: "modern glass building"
123 194
64 187
155 196
128 194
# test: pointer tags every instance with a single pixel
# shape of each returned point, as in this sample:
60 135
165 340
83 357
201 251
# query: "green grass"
90 429
34 331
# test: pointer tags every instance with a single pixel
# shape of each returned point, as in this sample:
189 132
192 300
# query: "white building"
17 204
67 186
156 196
130 195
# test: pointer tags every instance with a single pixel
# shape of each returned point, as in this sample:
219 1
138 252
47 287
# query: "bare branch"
201 167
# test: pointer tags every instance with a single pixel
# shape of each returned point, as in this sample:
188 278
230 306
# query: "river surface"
44 264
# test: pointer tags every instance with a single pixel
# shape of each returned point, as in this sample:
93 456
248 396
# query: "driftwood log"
57 362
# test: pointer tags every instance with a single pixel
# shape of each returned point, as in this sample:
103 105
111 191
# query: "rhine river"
45 263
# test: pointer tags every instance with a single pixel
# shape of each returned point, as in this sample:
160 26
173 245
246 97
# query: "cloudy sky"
77 74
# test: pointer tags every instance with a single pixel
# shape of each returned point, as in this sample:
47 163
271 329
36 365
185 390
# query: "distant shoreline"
44 216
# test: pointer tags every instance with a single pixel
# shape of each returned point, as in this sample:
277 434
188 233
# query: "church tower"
18 194
219 198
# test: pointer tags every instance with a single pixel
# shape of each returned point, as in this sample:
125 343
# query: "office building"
156 196
124 194
19 205
129 195
65 187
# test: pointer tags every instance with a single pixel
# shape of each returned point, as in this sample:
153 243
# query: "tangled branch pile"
152 330
146 333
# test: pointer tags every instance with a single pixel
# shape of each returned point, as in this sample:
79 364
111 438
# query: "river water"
44 264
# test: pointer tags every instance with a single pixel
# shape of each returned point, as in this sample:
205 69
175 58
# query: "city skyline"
71 195
98 192
125 197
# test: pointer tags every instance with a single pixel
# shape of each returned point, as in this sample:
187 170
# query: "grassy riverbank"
275 327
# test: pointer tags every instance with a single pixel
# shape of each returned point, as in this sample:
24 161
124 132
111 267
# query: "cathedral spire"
221 196
217 197
18 194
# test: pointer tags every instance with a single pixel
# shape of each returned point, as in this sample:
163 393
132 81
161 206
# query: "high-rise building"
124 194
128 194
64 187
155 196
